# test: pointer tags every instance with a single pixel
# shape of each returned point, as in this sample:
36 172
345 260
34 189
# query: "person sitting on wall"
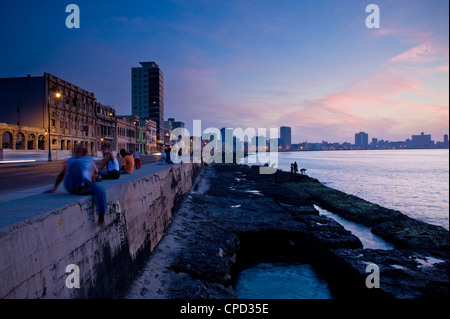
128 162
111 163
79 176
165 157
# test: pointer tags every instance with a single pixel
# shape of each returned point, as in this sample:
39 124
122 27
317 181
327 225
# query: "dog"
302 171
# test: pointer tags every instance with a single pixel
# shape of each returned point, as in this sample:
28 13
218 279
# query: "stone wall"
35 251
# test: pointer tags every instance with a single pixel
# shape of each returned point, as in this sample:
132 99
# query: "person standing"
295 167
137 159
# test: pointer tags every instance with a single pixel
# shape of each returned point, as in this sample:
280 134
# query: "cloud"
408 35
390 102
423 53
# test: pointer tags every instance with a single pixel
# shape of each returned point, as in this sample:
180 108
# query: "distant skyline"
309 65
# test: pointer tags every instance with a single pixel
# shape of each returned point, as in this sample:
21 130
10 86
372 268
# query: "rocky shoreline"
234 217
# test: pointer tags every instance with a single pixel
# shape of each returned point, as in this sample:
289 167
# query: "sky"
310 65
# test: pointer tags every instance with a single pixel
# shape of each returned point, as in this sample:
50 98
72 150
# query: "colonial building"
127 129
150 137
106 126
22 137
54 112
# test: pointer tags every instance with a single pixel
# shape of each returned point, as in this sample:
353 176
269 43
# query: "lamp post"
58 95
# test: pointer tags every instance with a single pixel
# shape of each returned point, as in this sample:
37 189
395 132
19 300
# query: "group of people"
81 173
294 169
109 166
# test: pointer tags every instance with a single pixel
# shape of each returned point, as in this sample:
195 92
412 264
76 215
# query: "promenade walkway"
23 204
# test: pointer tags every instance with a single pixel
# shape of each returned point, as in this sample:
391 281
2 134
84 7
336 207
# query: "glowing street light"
58 95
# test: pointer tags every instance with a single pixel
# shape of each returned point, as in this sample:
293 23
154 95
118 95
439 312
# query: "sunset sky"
311 65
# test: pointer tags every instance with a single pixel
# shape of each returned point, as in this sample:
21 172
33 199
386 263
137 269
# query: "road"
20 177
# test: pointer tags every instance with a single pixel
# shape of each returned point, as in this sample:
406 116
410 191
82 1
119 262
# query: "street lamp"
58 95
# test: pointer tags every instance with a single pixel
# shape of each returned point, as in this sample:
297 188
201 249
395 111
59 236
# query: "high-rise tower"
147 100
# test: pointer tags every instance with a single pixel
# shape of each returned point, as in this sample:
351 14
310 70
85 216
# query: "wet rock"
400 274
391 225
224 227
416 235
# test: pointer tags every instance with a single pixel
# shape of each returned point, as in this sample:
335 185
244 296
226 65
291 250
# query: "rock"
400 274
225 228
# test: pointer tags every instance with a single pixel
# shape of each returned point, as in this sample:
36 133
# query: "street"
20 177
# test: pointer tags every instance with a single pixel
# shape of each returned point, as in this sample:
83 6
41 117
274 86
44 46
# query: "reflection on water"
368 239
281 281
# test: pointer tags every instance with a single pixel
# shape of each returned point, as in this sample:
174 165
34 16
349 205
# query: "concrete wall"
36 249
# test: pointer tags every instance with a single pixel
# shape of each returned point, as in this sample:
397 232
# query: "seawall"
43 234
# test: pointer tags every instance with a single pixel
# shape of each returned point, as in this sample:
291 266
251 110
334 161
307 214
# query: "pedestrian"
79 176
127 164
292 168
111 163
137 159
295 167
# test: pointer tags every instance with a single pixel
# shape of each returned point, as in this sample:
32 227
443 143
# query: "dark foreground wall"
37 244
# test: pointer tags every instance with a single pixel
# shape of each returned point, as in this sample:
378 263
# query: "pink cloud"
410 35
423 53
372 103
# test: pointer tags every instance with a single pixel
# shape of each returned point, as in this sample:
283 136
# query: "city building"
361 140
147 87
19 137
285 137
175 124
150 137
439 144
128 133
53 111
420 141
106 124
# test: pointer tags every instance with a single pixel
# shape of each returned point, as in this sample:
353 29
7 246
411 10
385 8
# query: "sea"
415 182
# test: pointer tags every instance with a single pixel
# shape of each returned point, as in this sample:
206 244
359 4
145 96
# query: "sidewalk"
21 162
21 205
4 198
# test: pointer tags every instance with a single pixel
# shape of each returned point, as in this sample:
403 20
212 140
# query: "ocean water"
281 281
415 182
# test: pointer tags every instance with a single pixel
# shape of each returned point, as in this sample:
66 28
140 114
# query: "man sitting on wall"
79 175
